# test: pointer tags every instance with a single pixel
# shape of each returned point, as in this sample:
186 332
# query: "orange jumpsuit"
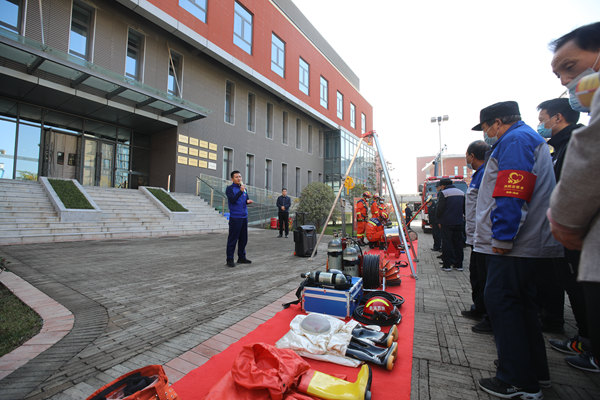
374 209
361 213
375 231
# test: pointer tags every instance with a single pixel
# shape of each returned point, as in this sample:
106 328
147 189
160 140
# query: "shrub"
316 200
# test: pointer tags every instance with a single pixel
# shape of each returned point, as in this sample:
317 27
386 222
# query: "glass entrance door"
98 163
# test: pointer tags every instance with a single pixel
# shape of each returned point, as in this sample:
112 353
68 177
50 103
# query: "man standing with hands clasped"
237 197
283 207
512 230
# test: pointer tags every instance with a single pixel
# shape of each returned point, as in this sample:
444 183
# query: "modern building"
454 164
157 92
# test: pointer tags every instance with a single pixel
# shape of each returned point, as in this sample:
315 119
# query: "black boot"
364 351
379 338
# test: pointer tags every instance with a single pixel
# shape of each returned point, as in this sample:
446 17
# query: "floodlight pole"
439 120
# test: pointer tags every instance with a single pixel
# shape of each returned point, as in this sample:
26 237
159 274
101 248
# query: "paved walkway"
172 301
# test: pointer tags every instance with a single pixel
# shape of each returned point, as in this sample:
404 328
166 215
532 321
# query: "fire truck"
429 189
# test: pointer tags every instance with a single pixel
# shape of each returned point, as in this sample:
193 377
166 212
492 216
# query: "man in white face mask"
512 231
575 205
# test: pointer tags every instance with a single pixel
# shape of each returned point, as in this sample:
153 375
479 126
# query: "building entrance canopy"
37 74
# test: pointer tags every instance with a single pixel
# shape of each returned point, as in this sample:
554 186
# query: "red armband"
513 183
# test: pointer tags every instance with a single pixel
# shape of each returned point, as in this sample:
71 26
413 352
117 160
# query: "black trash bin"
305 238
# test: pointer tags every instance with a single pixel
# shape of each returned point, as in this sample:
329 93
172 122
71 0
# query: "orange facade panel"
268 19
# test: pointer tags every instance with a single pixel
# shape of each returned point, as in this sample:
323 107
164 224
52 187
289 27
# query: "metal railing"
212 190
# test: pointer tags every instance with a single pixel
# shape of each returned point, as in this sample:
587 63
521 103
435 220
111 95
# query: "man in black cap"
450 215
512 230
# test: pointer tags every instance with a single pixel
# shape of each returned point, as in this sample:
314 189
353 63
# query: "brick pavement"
172 301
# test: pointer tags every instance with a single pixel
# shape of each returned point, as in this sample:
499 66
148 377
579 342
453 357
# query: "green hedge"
167 200
69 194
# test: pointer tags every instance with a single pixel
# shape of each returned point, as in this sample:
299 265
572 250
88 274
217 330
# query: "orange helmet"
367 194
384 216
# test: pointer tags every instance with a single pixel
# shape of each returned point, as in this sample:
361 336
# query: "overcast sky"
419 59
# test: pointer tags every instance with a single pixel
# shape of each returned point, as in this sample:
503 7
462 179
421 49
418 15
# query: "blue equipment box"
339 303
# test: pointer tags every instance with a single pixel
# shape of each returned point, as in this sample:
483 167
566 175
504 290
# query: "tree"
357 191
316 200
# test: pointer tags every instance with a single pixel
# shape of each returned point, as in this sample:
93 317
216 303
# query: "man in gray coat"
575 204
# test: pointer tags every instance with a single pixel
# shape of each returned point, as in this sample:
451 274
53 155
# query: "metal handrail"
262 210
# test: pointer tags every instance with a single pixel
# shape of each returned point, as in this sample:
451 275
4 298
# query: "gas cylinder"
350 261
334 254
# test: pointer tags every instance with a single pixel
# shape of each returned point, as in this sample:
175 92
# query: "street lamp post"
439 120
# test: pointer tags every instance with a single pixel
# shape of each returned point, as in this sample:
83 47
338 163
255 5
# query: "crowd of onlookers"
531 217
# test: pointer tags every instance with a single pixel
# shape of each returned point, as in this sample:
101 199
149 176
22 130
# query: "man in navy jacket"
450 215
237 197
283 206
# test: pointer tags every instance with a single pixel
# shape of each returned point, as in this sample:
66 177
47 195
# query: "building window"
284 138
242 28
298 133
320 177
352 115
195 7
363 123
309 177
174 83
309 140
227 163
134 55
464 170
284 180
81 28
320 143
10 15
304 77
277 55
298 182
268 174
324 92
251 112
455 170
269 121
340 105
249 169
229 101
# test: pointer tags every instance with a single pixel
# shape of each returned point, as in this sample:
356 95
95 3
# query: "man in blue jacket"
237 197
512 230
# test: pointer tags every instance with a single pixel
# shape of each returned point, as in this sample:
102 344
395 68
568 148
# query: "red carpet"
393 384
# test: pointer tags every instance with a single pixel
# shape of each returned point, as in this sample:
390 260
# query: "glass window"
340 105
284 138
277 55
28 152
242 28
195 7
81 24
309 177
174 83
363 123
227 163
284 180
251 112
268 174
10 15
269 121
309 139
298 182
8 129
250 169
298 133
320 143
464 170
304 77
455 170
229 101
134 55
352 115
324 93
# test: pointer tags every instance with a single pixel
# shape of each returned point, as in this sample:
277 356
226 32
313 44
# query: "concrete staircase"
27 216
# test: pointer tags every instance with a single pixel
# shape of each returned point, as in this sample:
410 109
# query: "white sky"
419 59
